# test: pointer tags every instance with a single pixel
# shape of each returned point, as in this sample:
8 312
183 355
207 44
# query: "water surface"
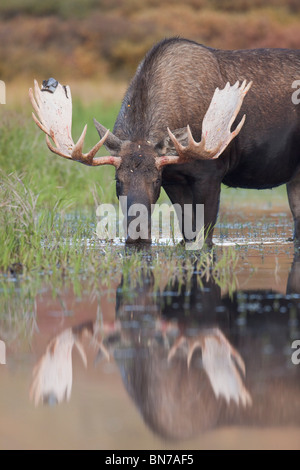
191 365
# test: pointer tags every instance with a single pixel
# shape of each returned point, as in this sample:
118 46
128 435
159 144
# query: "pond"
187 363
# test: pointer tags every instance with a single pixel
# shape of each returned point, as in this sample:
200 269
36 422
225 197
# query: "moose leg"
293 191
210 198
293 283
194 194
181 195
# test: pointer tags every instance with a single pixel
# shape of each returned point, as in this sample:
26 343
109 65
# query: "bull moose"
174 129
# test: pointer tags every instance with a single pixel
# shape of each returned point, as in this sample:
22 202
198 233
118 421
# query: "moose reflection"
190 358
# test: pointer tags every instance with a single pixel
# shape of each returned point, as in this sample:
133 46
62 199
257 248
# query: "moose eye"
118 184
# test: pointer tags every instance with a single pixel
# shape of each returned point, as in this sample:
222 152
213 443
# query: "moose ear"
166 146
112 143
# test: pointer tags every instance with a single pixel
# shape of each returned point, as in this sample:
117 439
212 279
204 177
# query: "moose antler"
54 109
216 125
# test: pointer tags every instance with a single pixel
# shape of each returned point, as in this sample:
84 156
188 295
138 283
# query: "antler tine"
56 150
33 102
216 134
77 150
39 124
190 135
242 91
54 111
36 108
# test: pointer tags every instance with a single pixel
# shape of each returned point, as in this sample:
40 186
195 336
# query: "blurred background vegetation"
95 47
82 39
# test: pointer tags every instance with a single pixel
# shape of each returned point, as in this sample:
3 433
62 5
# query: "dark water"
187 366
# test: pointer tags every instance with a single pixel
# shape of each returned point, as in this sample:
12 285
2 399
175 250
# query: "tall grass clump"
35 237
22 226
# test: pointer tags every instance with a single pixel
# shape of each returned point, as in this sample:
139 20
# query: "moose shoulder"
180 127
